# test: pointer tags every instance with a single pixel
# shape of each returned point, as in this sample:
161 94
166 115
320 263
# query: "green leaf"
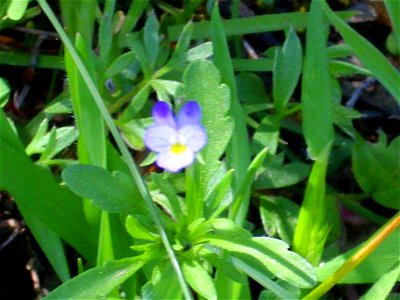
274 257
162 285
219 195
4 92
120 63
106 34
113 192
287 69
274 174
257 272
38 143
251 93
202 83
235 212
376 265
199 279
179 55
266 135
316 94
312 229
255 24
382 288
370 56
279 217
98 282
224 264
238 150
16 9
140 231
377 169
172 203
202 51
41 194
50 243
151 39
133 132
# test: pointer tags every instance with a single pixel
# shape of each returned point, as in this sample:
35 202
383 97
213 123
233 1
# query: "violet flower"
176 140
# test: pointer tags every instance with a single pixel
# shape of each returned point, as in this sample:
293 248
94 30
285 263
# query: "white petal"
174 162
193 136
160 138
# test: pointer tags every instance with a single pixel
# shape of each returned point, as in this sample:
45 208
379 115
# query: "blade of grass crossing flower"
372 58
311 230
238 150
122 147
316 94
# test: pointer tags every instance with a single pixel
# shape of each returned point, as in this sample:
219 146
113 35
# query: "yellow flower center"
178 148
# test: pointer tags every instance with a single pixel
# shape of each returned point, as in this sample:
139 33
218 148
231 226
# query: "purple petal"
189 114
163 115
175 162
160 138
193 136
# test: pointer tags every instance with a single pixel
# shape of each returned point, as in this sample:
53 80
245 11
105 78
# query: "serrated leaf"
113 192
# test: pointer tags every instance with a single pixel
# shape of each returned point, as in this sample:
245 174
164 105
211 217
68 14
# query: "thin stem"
372 243
121 145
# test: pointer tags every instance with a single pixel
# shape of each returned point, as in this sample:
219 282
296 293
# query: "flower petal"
175 162
193 136
163 115
160 138
190 114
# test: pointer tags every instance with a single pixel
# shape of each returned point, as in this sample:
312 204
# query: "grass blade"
371 57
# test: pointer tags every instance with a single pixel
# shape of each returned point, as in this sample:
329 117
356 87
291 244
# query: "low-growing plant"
174 180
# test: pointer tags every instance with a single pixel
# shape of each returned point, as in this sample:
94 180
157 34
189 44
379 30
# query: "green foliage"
99 281
377 169
372 268
227 222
